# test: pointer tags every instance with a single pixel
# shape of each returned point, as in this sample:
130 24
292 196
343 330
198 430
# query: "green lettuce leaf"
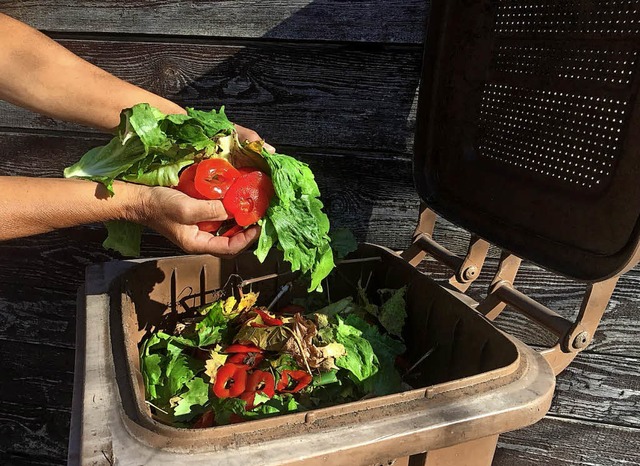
300 225
342 242
123 237
214 326
393 312
196 395
360 359
279 404
105 163
386 348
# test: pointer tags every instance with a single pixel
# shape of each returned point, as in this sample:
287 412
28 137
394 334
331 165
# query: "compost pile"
234 361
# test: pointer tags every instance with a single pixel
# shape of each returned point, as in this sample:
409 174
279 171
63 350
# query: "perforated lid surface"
528 128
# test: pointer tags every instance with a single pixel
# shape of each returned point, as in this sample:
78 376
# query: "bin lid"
528 129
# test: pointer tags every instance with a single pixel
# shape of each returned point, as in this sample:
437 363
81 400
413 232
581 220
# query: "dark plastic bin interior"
470 353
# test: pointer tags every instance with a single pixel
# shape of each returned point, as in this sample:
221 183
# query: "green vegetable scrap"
152 148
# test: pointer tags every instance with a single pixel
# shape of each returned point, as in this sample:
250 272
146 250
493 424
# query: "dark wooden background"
332 82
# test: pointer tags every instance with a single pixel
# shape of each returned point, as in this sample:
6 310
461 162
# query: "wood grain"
312 20
310 96
600 388
564 442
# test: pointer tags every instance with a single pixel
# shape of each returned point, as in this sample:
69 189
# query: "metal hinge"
573 337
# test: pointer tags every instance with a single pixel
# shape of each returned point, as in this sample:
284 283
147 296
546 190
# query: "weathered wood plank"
37 335
334 20
36 315
600 388
329 96
563 442
33 434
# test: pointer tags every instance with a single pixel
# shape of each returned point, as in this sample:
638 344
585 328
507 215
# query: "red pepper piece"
261 381
210 226
250 360
267 319
301 378
239 348
231 381
204 421
234 230
248 397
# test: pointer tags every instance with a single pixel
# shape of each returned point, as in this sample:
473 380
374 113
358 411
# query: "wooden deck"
330 82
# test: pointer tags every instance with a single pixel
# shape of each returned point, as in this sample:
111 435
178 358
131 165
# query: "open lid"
528 129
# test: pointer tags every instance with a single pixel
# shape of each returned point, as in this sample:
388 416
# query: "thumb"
195 210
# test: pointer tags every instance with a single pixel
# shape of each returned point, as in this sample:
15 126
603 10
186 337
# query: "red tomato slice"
300 380
209 226
248 198
186 184
246 170
214 177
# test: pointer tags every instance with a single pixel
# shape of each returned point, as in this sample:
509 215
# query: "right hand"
174 215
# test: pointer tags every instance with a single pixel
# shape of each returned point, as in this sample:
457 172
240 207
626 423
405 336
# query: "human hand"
174 215
246 134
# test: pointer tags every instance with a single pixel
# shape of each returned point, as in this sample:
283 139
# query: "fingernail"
269 148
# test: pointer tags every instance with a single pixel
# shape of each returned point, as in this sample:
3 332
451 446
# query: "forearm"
67 202
39 74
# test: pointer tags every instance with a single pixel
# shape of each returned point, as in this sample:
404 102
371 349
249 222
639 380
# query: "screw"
581 340
470 273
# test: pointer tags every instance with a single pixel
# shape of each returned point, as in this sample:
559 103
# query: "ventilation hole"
553 61
578 16
543 133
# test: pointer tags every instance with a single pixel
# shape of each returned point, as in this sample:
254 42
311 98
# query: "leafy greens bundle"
152 148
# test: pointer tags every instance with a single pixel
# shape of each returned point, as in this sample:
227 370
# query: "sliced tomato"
214 177
248 198
210 226
245 170
231 381
186 182
268 319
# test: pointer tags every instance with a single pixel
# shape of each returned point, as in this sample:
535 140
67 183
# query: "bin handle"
466 269
573 337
